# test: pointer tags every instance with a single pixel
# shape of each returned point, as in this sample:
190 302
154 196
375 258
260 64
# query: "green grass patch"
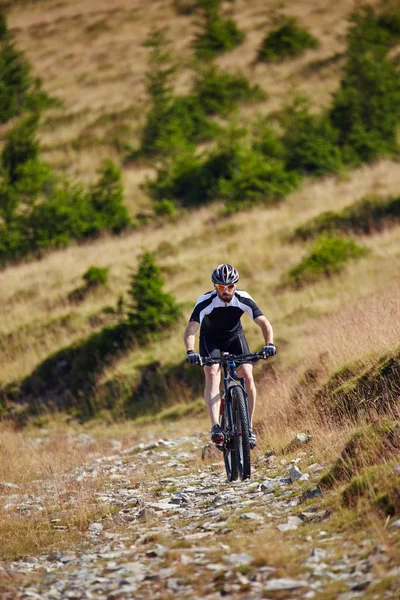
370 445
370 214
327 257
358 392
378 486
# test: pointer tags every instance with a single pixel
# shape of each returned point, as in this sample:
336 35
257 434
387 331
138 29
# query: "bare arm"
190 334
266 329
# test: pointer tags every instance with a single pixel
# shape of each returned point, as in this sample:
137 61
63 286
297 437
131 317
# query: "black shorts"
215 346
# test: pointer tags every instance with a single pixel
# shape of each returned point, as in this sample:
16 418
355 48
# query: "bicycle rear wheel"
230 460
241 438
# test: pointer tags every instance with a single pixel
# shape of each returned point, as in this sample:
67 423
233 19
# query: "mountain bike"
234 414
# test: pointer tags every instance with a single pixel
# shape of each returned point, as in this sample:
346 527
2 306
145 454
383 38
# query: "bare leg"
211 392
246 371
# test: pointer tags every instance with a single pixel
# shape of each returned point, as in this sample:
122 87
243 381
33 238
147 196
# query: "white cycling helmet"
225 275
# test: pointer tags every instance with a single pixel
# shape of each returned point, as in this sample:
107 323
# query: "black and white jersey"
221 319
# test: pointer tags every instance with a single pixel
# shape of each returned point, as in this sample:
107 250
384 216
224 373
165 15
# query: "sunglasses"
221 288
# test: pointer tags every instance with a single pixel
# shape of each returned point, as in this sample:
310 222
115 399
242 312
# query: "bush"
252 179
151 309
232 171
96 276
183 121
171 120
328 256
21 146
18 90
165 208
389 20
286 40
219 92
64 217
310 142
266 141
369 214
217 34
180 178
365 110
106 198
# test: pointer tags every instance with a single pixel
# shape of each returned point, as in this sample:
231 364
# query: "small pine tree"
310 141
219 92
216 34
366 107
151 309
106 197
21 146
159 87
15 80
288 39
19 91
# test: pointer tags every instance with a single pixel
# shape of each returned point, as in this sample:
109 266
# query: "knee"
212 377
248 377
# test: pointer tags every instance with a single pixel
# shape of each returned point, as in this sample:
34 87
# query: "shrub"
165 207
216 34
310 142
389 20
232 171
328 256
219 92
286 40
180 178
64 217
171 120
106 198
21 146
365 110
369 214
266 141
252 179
18 90
96 276
151 309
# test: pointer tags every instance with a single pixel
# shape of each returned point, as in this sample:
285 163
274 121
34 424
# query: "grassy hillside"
92 58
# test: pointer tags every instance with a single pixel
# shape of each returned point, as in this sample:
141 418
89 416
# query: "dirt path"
185 533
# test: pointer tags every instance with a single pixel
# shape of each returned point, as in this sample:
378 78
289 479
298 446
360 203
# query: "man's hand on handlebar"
193 357
268 350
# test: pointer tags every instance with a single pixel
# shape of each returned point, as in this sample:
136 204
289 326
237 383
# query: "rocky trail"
184 532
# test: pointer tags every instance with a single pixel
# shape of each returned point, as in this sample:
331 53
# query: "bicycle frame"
231 379
229 363
234 414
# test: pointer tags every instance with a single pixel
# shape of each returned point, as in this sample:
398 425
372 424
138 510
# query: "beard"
226 296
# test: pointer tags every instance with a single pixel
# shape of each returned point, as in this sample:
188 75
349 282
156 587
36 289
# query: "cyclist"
218 312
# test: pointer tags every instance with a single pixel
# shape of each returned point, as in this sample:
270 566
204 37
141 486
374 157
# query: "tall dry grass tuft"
359 333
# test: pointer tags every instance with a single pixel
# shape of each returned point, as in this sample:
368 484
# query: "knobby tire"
230 460
241 439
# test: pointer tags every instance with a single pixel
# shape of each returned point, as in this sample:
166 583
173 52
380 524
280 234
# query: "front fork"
242 382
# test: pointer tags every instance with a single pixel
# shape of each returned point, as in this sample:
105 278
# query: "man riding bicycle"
218 313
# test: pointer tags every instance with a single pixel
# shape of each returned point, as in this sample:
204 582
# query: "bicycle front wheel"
229 448
241 438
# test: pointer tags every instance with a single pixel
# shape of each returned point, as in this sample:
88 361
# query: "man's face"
225 292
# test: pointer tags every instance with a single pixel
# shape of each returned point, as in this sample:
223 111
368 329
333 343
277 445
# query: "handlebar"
225 359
